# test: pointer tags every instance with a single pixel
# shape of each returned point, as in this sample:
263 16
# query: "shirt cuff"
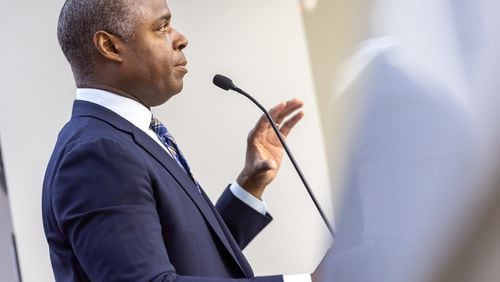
297 278
247 198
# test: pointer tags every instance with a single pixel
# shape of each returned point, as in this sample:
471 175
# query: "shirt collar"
129 109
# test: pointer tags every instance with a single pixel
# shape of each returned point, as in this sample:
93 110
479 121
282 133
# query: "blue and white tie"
173 149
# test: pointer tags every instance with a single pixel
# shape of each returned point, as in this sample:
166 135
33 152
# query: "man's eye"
164 27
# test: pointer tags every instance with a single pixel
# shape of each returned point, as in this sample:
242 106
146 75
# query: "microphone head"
223 82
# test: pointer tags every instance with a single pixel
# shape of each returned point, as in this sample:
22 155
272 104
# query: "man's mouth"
182 66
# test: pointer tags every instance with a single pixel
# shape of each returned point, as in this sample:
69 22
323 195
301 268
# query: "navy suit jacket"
116 207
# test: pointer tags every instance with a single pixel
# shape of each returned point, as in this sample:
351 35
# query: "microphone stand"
290 155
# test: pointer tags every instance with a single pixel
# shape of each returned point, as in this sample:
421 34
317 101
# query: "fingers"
288 126
281 113
263 123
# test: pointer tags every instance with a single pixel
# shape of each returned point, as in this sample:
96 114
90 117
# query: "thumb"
265 165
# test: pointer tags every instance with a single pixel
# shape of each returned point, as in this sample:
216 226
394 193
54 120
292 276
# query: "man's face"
153 60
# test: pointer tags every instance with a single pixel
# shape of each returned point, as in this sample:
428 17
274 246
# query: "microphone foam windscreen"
222 82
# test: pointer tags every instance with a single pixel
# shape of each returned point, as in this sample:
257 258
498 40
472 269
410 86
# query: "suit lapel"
244 265
188 186
82 108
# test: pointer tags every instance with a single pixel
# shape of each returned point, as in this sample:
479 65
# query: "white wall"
35 101
259 43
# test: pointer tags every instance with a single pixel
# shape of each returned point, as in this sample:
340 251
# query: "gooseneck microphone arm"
227 84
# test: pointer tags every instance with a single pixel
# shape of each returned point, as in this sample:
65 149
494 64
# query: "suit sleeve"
105 207
243 221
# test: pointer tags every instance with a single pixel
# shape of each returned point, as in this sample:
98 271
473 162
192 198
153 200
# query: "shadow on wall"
3 185
9 266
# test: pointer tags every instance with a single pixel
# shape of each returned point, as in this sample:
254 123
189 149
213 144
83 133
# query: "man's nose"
180 41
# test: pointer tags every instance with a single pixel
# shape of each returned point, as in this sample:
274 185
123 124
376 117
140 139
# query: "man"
120 201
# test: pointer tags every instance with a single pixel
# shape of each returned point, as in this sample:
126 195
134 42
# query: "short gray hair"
79 20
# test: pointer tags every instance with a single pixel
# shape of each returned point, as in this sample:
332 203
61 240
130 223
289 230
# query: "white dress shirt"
140 116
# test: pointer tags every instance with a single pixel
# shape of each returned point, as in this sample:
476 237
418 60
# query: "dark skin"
150 69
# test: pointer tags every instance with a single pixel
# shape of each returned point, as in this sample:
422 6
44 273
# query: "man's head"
126 46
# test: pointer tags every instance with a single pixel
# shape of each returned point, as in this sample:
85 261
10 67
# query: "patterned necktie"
172 147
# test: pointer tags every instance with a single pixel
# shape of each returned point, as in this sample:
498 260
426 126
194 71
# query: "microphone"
223 82
227 84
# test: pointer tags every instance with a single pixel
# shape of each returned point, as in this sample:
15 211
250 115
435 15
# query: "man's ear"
108 45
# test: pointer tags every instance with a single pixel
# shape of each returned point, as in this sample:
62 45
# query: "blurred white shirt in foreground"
420 127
